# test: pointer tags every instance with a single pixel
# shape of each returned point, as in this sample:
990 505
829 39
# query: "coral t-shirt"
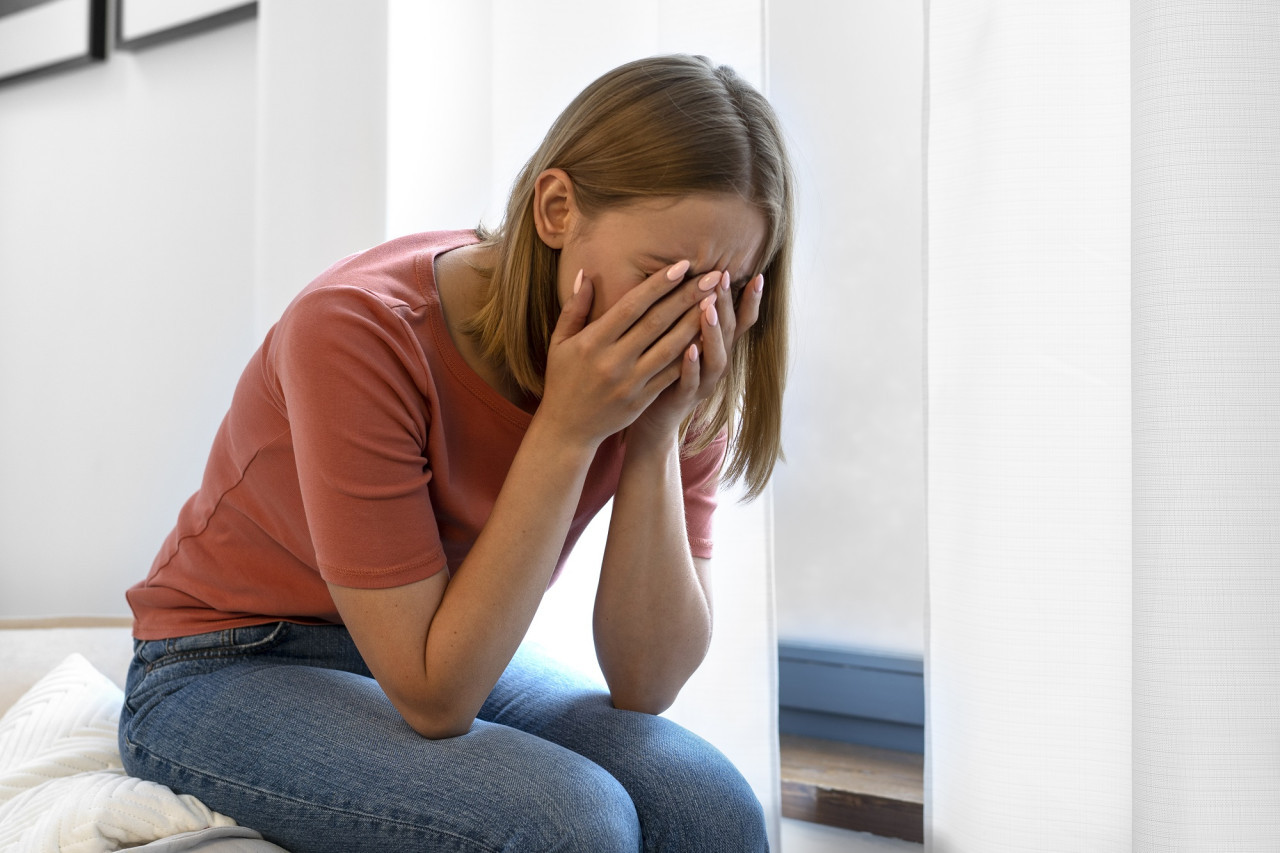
359 449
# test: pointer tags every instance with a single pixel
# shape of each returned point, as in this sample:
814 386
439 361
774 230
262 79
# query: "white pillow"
62 786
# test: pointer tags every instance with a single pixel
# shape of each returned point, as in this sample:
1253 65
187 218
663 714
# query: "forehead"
710 231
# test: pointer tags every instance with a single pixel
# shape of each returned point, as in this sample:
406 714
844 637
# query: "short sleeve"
700 479
352 377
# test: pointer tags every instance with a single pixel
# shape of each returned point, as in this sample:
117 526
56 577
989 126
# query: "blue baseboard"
856 697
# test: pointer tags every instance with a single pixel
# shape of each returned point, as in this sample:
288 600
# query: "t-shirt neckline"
445 346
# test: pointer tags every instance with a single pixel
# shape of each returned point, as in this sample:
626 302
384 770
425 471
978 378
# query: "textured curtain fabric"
1206 425
1103 651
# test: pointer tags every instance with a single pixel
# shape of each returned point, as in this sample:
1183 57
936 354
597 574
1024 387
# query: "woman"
328 644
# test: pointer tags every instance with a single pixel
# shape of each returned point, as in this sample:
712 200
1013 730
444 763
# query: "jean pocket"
228 643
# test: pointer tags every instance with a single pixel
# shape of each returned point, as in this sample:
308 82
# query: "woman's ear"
555 212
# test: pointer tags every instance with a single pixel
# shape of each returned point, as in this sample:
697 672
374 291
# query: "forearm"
490 602
652 616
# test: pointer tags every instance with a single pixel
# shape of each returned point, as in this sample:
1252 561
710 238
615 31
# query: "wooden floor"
853 787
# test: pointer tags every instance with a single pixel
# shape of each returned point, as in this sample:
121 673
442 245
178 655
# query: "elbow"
643 687
441 730
438 726
652 702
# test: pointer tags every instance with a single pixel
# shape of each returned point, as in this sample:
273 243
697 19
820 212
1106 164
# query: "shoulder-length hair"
665 126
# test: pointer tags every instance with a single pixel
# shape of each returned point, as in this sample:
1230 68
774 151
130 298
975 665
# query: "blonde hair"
665 126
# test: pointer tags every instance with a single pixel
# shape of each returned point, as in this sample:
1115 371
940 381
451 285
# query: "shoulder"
323 311
400 270
340 337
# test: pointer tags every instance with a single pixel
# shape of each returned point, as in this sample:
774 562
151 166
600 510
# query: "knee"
696 797
722 812
589 812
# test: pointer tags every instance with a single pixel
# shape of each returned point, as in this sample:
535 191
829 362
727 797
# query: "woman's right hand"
602 376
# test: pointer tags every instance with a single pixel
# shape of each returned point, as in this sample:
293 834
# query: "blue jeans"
282 728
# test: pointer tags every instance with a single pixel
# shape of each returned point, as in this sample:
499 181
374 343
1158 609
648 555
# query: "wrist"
550 442
651 446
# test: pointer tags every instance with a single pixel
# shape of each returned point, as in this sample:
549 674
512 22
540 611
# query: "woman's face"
619 248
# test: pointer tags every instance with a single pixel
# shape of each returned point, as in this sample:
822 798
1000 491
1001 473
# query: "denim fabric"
282 728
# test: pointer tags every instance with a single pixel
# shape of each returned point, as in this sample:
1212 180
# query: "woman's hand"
702 368
601 377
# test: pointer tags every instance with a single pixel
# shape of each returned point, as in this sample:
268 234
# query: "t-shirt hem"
191 629
385 578
700 548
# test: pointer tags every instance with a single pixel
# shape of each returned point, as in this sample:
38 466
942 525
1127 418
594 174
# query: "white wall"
321 178
850 524
126 285
129 186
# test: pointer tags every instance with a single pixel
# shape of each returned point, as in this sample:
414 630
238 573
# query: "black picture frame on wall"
143 23
39 37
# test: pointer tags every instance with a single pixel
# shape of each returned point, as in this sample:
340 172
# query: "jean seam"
220 652
139 748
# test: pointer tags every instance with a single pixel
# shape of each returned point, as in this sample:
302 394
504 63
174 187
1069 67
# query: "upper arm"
349 383
389 627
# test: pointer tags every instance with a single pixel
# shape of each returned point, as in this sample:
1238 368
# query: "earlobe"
554 209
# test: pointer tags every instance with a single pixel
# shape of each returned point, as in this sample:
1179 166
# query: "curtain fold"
1206 425
1028 427
1103 398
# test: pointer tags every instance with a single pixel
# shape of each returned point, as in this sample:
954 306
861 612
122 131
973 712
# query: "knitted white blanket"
62 787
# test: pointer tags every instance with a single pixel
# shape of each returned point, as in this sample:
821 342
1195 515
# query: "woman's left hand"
704 361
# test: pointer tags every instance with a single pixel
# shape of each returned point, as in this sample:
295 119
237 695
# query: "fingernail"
577 282
677 272
712 317
759 283
724 281
693 352
708 281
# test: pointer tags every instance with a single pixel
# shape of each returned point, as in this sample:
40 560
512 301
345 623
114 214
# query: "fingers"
723 325
685 375
749 305
620 318
673 342
690 373
662 318
714 321
717 333
573 315
654 324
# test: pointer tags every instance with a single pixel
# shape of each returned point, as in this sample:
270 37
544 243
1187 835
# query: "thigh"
687 794
317 759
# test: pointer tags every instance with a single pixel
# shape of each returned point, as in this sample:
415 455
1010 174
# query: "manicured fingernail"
577 282
712 317
724 281
759 283
708 281
677 272
693 352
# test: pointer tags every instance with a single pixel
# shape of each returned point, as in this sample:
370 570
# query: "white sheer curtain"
1103 655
